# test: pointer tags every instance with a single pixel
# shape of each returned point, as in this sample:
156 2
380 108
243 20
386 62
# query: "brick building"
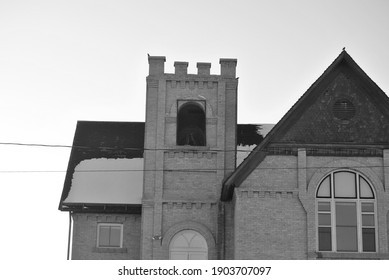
175 187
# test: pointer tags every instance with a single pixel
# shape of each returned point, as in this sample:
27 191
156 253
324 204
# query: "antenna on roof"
344 49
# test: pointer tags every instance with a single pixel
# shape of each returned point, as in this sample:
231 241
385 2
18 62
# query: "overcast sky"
63 61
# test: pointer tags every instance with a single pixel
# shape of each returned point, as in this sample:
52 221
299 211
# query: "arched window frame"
192 225
189 251
326 207
200 104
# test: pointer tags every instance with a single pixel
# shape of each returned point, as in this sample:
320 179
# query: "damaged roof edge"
69 175
99 207
91 140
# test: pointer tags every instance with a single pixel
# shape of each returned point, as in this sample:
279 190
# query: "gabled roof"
99 143
343 63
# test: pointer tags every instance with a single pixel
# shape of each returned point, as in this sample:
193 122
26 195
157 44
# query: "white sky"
63 61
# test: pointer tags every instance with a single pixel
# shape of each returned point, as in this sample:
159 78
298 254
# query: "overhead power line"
186 149
35 145
105 148
174 149
209 170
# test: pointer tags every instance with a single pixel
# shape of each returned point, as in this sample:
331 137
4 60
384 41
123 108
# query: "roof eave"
105 208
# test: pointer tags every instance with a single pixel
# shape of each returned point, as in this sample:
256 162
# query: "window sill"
109 250
350 256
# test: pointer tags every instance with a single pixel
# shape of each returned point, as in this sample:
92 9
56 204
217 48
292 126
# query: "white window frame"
99 225
189 251
358 201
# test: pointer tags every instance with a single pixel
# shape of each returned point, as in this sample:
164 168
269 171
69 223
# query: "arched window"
191 125
188 245
346 213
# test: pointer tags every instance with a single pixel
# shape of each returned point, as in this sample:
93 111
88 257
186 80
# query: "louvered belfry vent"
344 109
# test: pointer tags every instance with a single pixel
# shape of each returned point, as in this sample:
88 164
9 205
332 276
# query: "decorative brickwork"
318 124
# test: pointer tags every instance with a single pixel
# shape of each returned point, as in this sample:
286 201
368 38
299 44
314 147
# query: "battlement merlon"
228 67
181 68
157 67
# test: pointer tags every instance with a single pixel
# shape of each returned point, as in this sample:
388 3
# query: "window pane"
325 239
346 239
114 240
368 220
104 236
324 206
368 239
344 184
367 207
346 226
198 256
324 188
179 255
346 214
324 219
365 189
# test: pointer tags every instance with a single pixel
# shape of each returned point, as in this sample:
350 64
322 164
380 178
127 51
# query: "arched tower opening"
191 125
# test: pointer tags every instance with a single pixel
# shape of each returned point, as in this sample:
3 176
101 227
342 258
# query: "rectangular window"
368 227
346 227
324 216
109 235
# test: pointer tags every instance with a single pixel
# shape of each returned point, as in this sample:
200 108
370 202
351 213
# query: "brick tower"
190 145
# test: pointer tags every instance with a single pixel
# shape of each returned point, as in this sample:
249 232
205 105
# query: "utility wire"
172 150
179 170
186 149
104 148
36 145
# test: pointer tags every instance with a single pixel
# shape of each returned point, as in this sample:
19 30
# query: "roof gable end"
342 106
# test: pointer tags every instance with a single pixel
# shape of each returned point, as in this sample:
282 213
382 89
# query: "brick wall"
85 237
275 206
269 226
275 172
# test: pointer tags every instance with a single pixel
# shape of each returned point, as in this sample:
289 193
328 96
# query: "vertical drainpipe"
70 230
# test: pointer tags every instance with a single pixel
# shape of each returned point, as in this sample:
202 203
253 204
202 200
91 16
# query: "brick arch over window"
190 225
210 111
191 125
342 164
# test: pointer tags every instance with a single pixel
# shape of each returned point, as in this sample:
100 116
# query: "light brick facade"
85 237
278 211
267 207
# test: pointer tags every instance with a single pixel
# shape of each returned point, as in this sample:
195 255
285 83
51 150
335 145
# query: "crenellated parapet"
157 67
